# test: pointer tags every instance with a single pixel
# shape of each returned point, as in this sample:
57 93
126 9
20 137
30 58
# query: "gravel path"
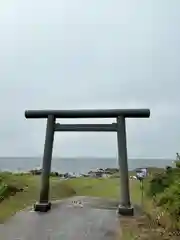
95 220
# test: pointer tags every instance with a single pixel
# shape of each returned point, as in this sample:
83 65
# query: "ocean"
77 165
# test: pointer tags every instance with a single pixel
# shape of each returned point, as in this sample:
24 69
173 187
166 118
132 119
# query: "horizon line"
86 157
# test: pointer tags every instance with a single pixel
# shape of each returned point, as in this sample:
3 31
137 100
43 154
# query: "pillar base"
125 211
42 207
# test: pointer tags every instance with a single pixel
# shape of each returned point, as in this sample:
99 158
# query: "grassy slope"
60 189
109 188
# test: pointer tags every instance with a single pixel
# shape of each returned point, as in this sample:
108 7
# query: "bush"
170 200
160 181
157 184
165 189
177 164
8 190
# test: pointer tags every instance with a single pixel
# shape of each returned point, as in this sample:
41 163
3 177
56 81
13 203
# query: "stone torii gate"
125 206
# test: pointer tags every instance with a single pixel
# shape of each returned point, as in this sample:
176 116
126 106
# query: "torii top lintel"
89 113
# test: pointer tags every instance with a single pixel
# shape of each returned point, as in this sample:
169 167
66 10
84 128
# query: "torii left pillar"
44 205
125 207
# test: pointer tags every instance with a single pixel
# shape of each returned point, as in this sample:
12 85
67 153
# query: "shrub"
177 163
8 190
160 181
170 200
165 189
157 184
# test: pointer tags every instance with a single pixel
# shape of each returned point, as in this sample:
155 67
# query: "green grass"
104 187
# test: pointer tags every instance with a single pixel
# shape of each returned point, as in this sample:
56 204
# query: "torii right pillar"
125 207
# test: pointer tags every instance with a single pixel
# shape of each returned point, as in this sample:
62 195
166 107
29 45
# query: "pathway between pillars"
96 220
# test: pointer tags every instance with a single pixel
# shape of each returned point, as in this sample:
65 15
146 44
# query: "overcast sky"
68 54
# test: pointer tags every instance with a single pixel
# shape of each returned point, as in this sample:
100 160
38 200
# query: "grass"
108 188
131 228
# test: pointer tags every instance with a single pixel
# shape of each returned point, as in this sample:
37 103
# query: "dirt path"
96 220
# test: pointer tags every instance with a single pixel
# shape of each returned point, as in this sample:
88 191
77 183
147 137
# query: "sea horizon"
78 164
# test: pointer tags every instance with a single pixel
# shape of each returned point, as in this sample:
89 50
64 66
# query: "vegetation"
161 205
164 187
27 193
161 218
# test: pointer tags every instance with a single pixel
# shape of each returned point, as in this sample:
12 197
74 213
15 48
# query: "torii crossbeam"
125 207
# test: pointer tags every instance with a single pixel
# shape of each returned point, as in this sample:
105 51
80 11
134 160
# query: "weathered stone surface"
42 207
125 211
95 220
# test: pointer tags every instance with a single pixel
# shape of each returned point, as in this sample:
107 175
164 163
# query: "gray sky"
69 54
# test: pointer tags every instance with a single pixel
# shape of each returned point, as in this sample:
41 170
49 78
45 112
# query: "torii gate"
125 207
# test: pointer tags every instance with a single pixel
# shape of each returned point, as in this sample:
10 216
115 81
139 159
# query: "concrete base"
42 207
125 211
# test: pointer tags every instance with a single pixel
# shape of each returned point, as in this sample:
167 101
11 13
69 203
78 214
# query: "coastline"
99 172
78 165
